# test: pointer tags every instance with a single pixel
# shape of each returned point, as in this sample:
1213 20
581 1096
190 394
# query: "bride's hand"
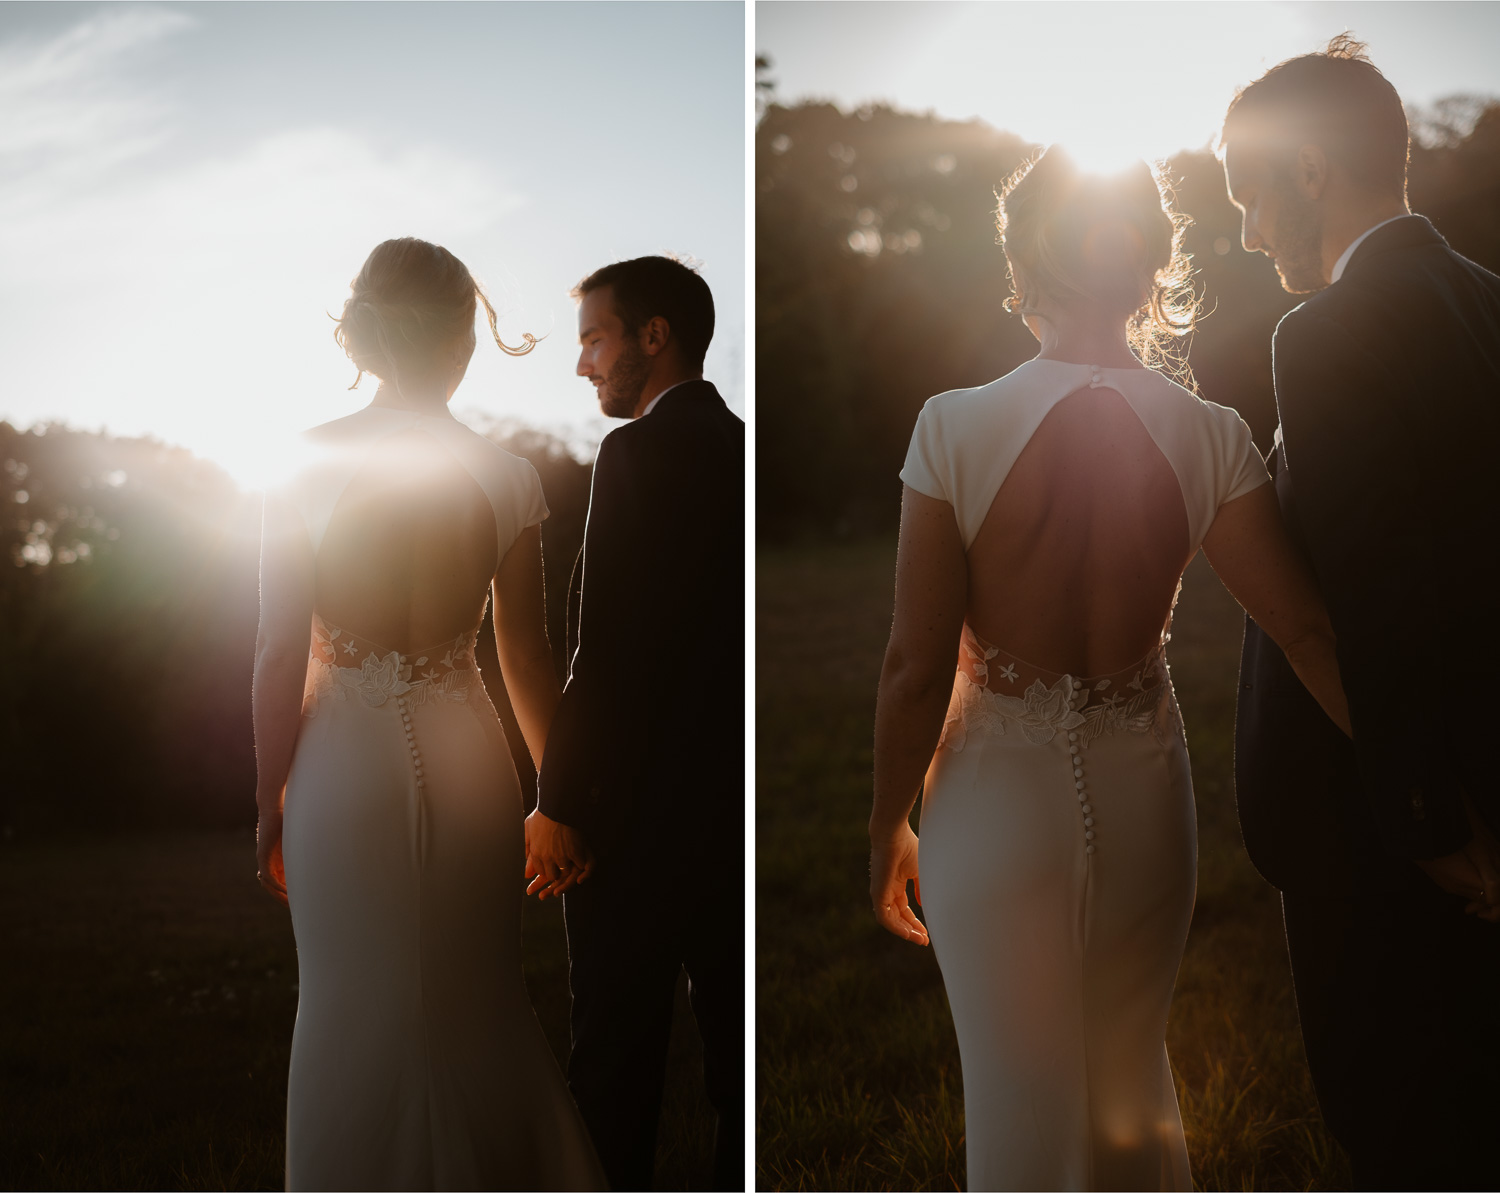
892 863
557 856
269 869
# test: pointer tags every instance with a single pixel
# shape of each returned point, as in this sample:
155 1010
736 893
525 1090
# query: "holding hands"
1473 872
269 870
893 862
557 856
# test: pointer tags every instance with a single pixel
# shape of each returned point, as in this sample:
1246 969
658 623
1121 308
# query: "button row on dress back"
1079 696
411 741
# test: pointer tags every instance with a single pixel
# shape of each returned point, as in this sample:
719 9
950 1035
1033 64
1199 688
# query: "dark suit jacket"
650 734
1388 387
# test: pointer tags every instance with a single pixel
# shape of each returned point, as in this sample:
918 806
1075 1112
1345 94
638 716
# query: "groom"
645 762
1388 387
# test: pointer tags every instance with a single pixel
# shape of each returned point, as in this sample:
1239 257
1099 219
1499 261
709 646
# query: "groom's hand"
557 856
1470 874
1473 872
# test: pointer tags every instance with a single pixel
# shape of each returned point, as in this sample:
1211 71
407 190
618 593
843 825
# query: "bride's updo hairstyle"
1113 241
410 299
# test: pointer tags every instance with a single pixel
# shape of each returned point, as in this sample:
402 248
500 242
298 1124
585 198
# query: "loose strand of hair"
529 341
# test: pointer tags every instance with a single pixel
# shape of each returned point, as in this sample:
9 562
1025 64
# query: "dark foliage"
879 283
128 604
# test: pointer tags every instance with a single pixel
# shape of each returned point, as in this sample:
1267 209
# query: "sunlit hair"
645 287
409 299
1336 99
1113 241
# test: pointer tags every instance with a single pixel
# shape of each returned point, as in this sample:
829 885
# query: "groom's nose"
1250 236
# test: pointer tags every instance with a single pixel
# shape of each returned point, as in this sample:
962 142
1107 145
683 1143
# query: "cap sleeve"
515 492
928 468
533 501
1241 468
523 505
1232 464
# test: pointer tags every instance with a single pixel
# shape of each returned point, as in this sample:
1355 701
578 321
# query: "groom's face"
1277 219
611 358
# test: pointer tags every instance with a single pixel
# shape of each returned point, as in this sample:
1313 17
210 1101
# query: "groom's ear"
1310 172
655 334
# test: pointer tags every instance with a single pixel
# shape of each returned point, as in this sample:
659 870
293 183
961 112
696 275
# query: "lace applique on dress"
1136 700
335 670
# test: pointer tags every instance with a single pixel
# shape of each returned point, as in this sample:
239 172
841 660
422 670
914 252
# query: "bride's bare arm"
915 681
557 856
281 647
521 639
1249 548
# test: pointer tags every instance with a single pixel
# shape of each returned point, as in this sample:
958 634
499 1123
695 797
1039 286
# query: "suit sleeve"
592 747
1360 504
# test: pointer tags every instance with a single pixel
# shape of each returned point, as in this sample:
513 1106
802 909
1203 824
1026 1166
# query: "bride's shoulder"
486 449
1011 389
336 432
1219 430
957 401
1195 404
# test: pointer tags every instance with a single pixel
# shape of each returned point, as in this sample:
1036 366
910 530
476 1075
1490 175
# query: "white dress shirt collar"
1343 261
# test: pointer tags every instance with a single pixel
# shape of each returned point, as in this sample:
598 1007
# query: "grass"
858 1083
146 1009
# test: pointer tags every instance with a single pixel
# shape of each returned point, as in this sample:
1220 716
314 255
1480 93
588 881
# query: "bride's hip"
1008 816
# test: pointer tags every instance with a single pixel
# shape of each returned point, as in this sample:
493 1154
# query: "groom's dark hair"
645 287
1336 99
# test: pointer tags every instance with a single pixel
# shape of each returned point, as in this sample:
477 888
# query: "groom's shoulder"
666 428
628 445
1358 311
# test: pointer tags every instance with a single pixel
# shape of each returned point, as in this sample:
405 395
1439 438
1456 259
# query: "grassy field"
859 1085
146 1005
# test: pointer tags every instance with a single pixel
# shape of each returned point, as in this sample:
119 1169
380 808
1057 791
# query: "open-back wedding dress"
417 1060
1058 851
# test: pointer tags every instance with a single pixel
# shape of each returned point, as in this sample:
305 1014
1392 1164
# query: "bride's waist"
994 690
998 670
343 664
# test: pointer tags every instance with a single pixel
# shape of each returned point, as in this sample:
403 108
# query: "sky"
186 191
1112 79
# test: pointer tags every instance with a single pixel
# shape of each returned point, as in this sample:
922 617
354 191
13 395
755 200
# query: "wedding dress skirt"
1058 862
417 1061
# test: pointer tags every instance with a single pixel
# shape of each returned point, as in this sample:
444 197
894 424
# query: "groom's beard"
1299 242
625 382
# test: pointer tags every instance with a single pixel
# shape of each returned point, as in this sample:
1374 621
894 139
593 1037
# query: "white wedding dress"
1058 853
417 1060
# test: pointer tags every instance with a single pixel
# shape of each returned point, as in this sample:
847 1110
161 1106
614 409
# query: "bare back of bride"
1046 522
391 817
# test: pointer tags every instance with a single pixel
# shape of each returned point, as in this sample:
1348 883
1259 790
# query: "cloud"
66 109
296 197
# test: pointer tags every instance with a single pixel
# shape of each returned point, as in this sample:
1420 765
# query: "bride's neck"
1082 338
417 399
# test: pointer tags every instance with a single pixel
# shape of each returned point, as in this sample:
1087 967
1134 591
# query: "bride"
390 811
1047 518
